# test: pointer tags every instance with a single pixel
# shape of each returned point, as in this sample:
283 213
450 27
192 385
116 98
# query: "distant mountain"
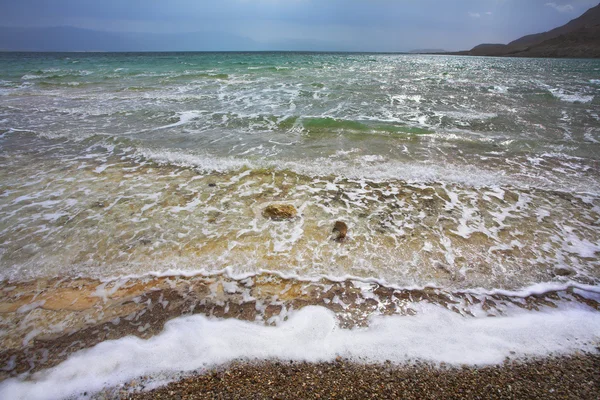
579 38
77 39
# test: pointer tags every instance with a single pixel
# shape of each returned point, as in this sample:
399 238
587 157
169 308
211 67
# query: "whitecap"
571 97
184 118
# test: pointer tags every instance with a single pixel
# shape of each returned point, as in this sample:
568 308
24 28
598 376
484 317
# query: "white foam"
402 98
311 334
230 273
499 89
367 167
589 136
571 97
203 162
184 118
30 77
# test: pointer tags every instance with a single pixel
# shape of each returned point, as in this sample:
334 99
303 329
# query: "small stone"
341 229
63 220
563 272
280 212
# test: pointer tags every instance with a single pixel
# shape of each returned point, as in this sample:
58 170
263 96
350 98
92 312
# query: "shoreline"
45 321
566 377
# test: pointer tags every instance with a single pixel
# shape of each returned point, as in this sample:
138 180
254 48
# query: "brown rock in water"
280 212
563 272
341 229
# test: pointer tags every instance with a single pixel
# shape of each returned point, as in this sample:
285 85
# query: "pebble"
574 377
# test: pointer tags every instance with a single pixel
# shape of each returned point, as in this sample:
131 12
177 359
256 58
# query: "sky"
361 25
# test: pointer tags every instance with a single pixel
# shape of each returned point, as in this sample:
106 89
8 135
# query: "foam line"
359 169
311 334
228 272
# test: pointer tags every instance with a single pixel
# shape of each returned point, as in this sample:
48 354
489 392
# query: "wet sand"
574 377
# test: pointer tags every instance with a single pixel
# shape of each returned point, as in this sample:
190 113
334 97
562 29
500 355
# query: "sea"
470 188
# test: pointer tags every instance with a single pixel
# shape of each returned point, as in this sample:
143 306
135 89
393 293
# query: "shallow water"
454 174
461 172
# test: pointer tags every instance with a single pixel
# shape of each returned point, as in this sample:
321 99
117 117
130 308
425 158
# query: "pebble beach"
574 377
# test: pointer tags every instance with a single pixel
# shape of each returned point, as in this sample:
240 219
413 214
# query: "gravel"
573 377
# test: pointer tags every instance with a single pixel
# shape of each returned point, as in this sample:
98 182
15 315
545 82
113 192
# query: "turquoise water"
292 106
456 171
281 107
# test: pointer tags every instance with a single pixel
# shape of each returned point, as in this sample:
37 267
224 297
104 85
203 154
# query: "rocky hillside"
578 38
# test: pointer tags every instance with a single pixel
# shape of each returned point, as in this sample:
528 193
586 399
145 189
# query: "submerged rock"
341 229
563 272
279 212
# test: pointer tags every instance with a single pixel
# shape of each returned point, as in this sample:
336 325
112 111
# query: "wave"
56 74
327 124
290 123
270 68
375 169
527 290
45 84
202 75
312 334
183 118
572 97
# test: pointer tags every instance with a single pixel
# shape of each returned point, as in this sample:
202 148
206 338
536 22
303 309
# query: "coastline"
572 377
68 315
327 339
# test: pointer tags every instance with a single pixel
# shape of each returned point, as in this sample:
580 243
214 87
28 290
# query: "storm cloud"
359 25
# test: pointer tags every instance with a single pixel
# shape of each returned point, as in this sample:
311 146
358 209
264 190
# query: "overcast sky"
374 25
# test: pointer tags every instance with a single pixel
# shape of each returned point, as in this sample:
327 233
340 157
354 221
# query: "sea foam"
312 334
184 118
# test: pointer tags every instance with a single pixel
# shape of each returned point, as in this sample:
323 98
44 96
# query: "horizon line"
229 51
